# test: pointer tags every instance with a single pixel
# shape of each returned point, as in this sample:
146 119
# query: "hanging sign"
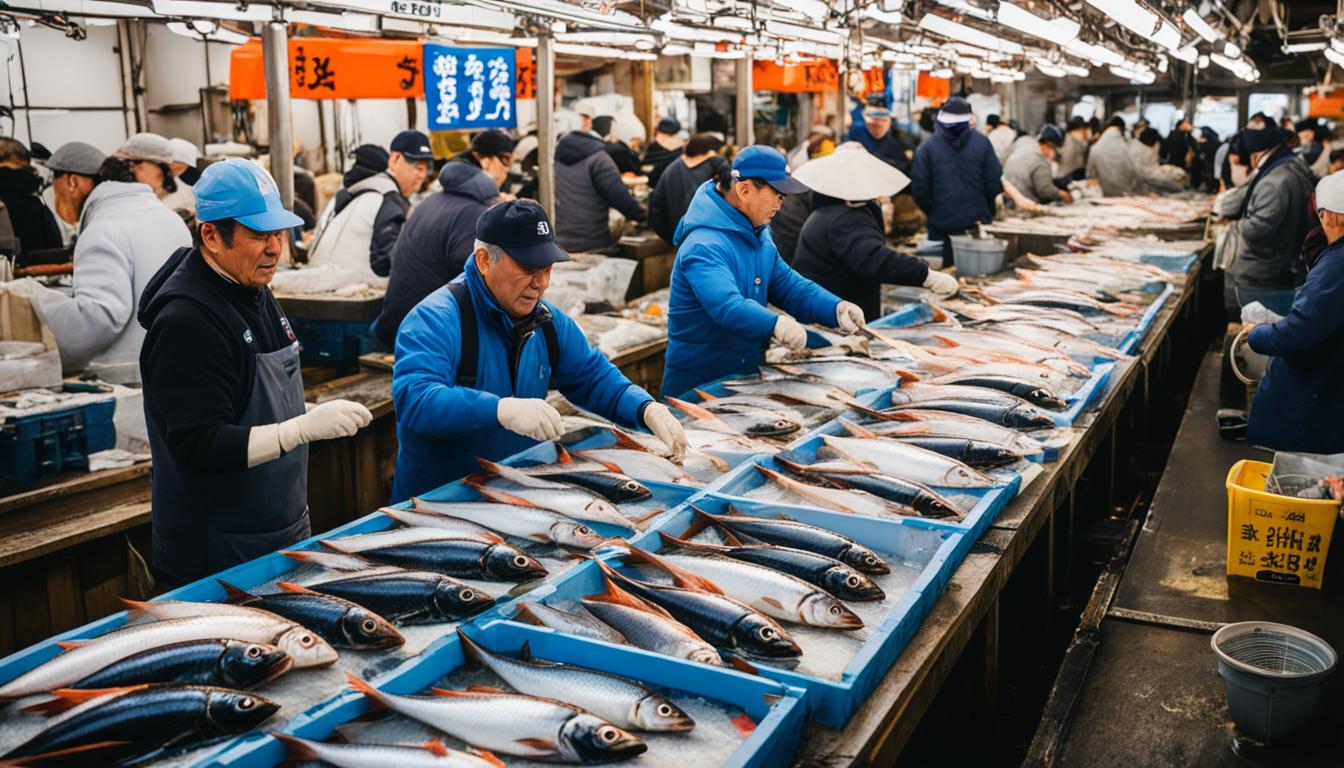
330 68
470 88
813 76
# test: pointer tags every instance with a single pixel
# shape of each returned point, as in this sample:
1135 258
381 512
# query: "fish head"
598 509
821 610
1045 397
232 712
248 665
756 635
455 599
306 648
1032 418
865 560
848 584
632 489
366 630
776 428
569 533
507 562
656 713
585 738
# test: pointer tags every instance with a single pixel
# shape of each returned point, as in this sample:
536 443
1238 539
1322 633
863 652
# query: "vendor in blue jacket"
727 270
1299 405
475 359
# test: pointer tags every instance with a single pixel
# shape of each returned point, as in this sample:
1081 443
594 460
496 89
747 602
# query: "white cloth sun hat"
851 173
1330 193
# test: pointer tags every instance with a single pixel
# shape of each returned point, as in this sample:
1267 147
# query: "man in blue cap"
727 270
228 427
475 359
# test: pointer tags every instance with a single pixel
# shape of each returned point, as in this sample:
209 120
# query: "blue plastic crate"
332 342
934 548
778 711
42 444
1133 338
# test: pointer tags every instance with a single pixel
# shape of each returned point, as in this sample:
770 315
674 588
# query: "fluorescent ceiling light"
1128 14
954 31
210 10
208 30
1167 36
1052 70
602 52
1306 47
1201 27
677 49
605 38
685 33
1097 54
1188 54
1060 31
942 72
783 29
486 37
813 9
1231 50
735 23
1076 70
1203 61
970 10
886 17
353 22
1334 56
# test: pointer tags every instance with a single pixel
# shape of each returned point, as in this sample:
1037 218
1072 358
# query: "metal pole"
745 132
545 63
275 61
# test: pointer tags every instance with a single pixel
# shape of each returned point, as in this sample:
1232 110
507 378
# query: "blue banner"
470 88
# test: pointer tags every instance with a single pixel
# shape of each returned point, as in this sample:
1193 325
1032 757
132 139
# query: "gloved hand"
941 283
326 421
849 316
790 333
662 423
30 289
530 416
1256 313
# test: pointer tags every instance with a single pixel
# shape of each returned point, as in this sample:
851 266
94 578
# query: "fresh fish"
578 503
1074 345
927 424
848 500
745 403
997 345
340 622
580 623
723 621
525 522
84 658
920 391
908 496
230 663
850 373
1032 392
648 626
514 724
695 462
457 526
775 594
791 390
431 550
828 573
634 458
431 754
751 422
109 725
977 454
605 479
408 597
1058 299
1039 375
785 532
709 441
1022 415
621 702
909 461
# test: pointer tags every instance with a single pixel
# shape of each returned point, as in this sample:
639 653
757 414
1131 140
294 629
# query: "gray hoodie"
125 235
1109 162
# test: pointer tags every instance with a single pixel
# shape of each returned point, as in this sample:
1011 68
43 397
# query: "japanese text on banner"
470 88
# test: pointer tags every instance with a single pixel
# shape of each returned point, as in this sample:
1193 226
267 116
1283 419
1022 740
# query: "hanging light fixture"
1201 27
954 31
1060 30
1129 15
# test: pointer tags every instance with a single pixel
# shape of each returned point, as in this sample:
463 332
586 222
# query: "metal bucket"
1272 674
976 256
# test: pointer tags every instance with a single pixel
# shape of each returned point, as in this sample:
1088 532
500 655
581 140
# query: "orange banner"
325 68
815 76
935 89
1329 104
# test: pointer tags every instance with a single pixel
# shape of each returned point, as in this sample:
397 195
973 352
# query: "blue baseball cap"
241 190
413 145
767 164
521 228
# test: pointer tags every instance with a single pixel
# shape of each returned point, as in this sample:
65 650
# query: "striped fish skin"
1029 391
978 454
910 495
942 424
648 626
578 503
646 465
227 663
146 718
828 573
340 622
619 701
426 549
791 533
432 754
1020 415
409 597
909 461
532 523
581 623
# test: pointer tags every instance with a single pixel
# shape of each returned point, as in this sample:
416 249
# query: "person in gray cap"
149 156
183 169
74 168
1029 169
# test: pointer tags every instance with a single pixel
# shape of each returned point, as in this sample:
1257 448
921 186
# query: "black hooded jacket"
587 185
676 187
33 222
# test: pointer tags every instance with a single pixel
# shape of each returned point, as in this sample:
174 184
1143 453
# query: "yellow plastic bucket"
1281 539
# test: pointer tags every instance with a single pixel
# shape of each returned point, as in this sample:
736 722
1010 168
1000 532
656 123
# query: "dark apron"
235 516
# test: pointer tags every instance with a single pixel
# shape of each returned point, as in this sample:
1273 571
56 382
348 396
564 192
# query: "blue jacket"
725 273
442 428
955 180
1298 405
889 149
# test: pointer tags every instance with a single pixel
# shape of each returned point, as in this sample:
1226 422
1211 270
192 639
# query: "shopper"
1314 145
1152 177
1297 406
185 156
1001 135
74 167
437 241
33 223
1179 147
150 156
875 133
366 216
627 161
587 187
1029 169
224 403
662 151
1073 155
956 175
698 163
1110 163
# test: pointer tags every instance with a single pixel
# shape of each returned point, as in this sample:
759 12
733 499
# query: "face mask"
1240 174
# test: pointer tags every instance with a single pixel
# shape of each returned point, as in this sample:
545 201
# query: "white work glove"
532 417
1256 313
849 317
941 283
790 333
325 421
665 426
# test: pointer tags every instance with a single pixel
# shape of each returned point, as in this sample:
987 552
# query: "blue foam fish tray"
831 702
778 711
1132 339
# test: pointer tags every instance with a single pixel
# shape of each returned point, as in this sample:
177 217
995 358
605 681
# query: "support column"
545 62
135 57
746 133
642 81
279 129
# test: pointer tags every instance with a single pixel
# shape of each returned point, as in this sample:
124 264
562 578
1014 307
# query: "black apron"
236 516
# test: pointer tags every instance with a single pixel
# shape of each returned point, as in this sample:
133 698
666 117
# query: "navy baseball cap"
413 145
521 228
241 190
767 164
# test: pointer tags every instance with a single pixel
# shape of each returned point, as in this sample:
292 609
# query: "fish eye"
870 560
608 734
307 641
632 486
852 581
467 595
767 633
665 710
253 652
584 530
520 561
369 625
835 610
246 703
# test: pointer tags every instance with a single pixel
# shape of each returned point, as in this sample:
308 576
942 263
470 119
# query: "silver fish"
648 626
580 623
909 461
576 503
432 754
525 522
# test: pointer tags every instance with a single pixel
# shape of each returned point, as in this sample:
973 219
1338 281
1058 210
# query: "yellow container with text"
1280 539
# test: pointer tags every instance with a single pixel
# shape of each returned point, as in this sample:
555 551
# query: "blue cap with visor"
241 190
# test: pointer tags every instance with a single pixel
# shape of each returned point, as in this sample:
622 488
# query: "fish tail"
624 440
377 699
525 614
471 650
61 755
691 409
69 698
236 596
705 396
299 749
680 576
